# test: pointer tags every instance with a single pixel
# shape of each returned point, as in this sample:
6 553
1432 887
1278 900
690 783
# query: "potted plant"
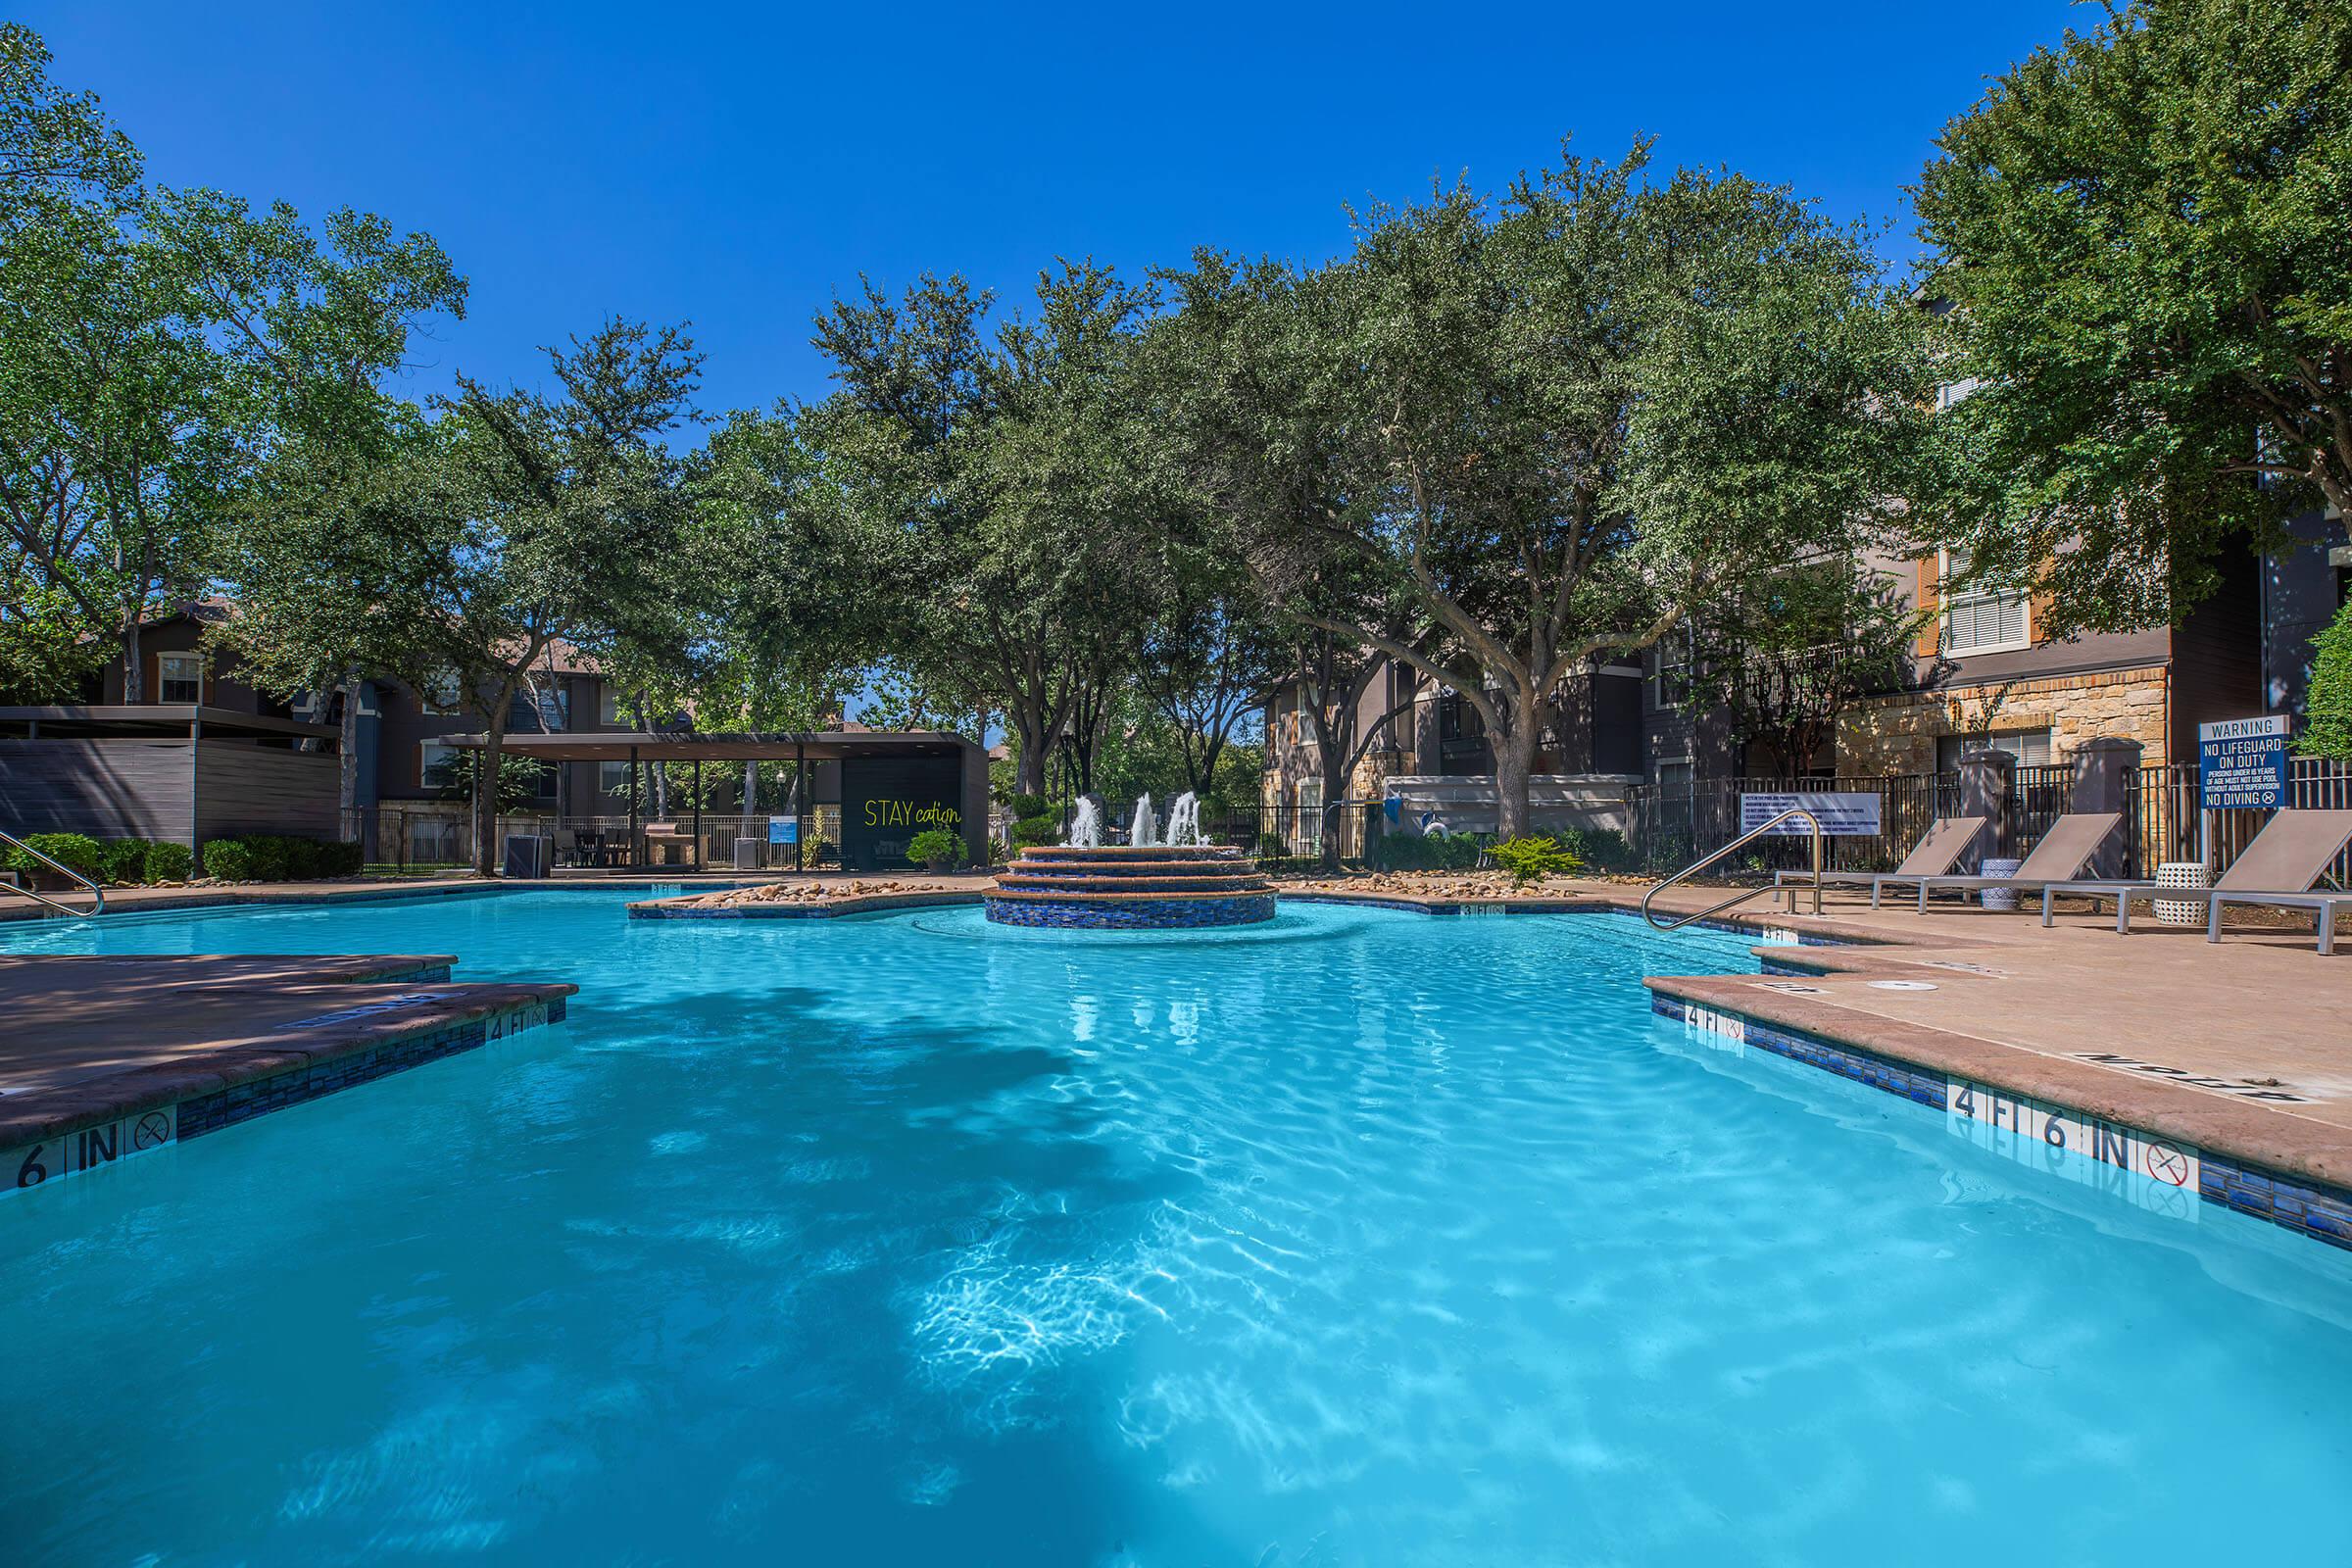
935 849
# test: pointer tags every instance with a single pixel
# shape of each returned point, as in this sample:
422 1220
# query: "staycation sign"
2241 762
1841 814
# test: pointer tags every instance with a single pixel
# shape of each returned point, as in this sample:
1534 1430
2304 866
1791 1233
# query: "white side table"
1998 898
2181 874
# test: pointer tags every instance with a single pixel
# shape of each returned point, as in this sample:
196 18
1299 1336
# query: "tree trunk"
134 664
1029 724
1331 754
347 766
751 786
485 787
1514 763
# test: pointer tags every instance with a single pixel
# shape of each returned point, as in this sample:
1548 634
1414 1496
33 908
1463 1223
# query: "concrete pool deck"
126 1053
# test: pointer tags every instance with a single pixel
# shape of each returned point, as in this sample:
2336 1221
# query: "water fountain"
1182 881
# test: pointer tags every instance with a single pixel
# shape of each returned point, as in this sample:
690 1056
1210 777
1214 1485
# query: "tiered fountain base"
1159 888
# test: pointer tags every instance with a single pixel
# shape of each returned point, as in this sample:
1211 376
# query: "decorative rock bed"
1117 888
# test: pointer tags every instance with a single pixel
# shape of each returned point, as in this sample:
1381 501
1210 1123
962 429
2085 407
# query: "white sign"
1841 816
2156 1176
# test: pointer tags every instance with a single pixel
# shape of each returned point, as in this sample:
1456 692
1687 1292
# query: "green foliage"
2329 730
1419 852
936 846
1778 656
1533 858
170 862
124 861
76 849
1039 827
1602 848
275 857
2141 233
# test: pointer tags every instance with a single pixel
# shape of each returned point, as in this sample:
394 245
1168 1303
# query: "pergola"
798 747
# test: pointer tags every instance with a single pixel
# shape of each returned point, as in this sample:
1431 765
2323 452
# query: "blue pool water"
1358 1237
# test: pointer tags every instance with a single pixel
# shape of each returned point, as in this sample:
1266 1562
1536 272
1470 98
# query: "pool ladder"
97 893
1745 893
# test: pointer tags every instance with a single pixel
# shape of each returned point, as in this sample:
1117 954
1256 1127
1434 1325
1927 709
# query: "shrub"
228 860
124 861
1417 852
170 862
279 858
1040 827
1026 806
1602 848
76 849
1535 856
936 846
2329 730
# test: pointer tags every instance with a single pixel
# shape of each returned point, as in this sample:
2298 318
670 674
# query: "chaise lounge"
1935 855
2281 869
2065 847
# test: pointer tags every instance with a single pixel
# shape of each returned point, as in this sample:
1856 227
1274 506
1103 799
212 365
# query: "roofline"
824 746
152 714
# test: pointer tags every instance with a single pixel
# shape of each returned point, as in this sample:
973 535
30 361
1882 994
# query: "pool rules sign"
2241 764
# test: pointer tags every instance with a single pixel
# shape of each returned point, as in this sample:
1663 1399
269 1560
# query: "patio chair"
1933 855
2281 869
2065 847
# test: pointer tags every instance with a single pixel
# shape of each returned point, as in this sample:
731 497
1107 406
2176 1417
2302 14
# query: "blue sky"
738 171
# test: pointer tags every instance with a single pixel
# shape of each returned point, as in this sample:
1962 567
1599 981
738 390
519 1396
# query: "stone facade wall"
1897 733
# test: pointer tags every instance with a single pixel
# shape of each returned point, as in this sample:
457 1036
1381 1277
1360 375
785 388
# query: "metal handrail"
1745 893
96 892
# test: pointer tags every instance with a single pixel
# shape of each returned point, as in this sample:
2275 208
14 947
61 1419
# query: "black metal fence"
1670 826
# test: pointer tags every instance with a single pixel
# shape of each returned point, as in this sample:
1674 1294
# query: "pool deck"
121 1054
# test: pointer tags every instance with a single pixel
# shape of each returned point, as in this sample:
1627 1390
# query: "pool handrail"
1745 893
97 893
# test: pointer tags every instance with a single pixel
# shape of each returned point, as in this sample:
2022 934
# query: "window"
178 678
1980 620
2030 747
548 714
442 694
1309 837
1670 665
613 780
436 764
608 704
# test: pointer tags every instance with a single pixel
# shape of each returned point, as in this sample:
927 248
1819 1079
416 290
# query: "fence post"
2106 779
1986 791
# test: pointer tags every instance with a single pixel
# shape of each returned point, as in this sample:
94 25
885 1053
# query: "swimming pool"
1359 1237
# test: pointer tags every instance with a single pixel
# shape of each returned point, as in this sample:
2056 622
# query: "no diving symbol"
2166 1164
153 1129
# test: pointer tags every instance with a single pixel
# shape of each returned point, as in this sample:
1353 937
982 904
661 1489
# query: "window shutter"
1930 633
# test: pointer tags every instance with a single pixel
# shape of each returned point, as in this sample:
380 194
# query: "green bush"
1042 827
170 862
1535 856
1026 806
228 860
76 849
936 846
1417 852
124 861
279 858
1602 849
2329 730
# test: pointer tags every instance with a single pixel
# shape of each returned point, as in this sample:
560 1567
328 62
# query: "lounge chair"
1933 855
2279 870
2066 845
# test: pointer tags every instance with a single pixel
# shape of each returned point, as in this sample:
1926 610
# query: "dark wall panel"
136 789
887 801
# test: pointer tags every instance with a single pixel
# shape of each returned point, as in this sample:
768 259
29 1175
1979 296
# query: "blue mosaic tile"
2307 1208
1154 914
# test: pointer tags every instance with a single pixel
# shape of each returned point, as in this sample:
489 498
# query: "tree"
1574 418
1781 655
2329 730
994 488
2141 236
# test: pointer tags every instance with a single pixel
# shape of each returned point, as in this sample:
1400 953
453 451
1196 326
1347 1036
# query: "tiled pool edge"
141 1111
2319 1211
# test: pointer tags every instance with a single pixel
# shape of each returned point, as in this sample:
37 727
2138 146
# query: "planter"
1998 898
2181 874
